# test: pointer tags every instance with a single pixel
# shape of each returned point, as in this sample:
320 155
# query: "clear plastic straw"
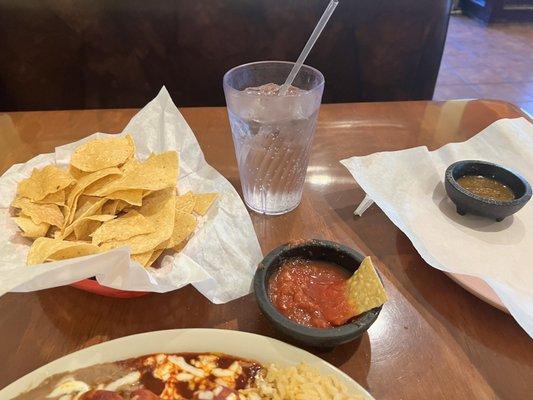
308 46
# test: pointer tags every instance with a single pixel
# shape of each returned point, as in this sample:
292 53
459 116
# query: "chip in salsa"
322 294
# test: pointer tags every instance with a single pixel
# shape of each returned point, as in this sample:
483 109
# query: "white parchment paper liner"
408 186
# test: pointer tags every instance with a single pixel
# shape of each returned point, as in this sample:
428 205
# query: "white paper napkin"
408 186
219 260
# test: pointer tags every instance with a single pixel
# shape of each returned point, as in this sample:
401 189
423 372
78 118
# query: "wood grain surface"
433 340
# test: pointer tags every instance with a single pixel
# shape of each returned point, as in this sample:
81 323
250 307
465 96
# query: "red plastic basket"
92 286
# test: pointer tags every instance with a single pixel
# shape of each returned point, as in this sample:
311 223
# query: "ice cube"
272 89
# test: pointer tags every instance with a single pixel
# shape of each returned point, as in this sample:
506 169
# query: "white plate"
478 288
241 344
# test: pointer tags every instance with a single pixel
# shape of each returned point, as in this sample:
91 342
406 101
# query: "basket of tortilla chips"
107 199
139 211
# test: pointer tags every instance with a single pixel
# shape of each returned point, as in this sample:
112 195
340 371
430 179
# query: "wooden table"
433 340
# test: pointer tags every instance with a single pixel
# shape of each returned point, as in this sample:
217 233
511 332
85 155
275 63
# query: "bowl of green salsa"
486 189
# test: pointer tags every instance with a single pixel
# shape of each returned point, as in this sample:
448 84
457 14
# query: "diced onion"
219 372
69 387
205 395
129 379
184 377
180 362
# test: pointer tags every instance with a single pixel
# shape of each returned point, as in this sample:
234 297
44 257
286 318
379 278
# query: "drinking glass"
272 133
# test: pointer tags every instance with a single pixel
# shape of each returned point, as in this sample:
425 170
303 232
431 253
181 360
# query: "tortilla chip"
180 246
158 208
159 171
155 255
184 226
103 153
186 202
29 228
203 202
57 198
74 213
76 173
83 227
44 249
93 207
42 182
82 249
364 288
70 238
142 258
39 213
124 227
133 196
80 186
110 207
147 259
101 185
87 206
123 206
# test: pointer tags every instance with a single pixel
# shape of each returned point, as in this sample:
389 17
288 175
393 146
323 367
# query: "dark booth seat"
109 54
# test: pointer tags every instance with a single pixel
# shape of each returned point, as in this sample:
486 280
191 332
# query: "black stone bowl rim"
517 201
347 332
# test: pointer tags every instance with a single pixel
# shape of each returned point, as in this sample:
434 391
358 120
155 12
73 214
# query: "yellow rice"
301 382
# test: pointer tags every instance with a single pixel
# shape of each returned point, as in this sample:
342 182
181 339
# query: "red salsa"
311 292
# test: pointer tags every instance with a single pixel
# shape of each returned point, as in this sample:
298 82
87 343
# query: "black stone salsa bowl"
314 249
469 203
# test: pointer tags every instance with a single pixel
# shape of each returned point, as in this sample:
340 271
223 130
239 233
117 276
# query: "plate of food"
206 364
128 213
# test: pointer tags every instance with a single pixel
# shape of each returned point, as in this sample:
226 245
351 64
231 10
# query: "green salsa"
486 187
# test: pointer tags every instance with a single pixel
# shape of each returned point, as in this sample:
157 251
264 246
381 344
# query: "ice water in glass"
272 133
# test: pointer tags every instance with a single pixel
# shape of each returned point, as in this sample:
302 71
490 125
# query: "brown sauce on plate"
103 374
486 187
92 376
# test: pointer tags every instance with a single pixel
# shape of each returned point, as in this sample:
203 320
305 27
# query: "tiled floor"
493 61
